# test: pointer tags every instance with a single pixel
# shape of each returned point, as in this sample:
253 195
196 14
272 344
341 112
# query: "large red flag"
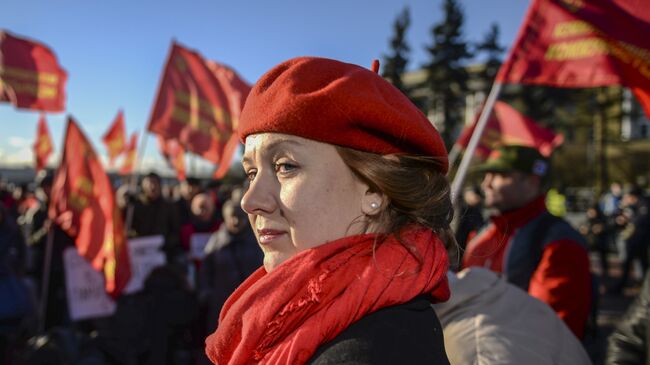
199 103
115 138
43 146
30 75
578 43
174 154
507 126
130 155
83 204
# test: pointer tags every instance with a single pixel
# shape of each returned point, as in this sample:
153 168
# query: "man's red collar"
518 217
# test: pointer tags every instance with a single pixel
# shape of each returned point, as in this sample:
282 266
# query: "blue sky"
114 51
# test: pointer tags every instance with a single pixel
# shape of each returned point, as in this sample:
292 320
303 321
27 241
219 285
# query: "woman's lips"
266 236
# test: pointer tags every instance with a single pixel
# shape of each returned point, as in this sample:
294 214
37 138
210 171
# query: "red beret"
341 104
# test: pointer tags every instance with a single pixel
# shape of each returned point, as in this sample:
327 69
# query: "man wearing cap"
533 249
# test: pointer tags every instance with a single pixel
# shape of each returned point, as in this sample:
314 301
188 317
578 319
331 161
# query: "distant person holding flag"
38 225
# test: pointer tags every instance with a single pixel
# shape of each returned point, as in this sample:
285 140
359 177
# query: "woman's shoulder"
408 333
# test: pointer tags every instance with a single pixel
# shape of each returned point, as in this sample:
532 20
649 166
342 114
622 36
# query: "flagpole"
453 155
192 158
45 282
459 178
49 242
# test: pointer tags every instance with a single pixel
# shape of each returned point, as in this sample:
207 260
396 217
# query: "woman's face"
301 195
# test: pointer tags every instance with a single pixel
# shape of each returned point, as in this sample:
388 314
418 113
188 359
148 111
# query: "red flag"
83 204
174 153
115 138
507 126
43 144
130 155
199 103
577 43
30 75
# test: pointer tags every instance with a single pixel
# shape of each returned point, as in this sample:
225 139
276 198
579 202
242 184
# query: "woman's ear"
372 203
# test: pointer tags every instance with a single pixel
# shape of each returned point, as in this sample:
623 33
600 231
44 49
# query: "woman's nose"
259 197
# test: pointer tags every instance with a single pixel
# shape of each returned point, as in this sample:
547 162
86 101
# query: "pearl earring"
374 205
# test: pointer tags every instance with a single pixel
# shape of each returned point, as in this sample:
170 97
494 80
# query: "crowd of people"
338 248
619 223
166 321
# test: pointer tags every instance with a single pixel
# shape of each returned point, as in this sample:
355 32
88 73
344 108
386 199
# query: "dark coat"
229 260
153 326
158 217
409 333
628 344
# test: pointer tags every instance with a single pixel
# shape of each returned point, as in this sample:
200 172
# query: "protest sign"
87 297
145 256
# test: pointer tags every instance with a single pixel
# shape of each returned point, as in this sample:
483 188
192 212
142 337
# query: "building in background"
606 132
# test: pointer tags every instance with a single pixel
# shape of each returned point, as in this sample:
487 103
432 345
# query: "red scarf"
283 317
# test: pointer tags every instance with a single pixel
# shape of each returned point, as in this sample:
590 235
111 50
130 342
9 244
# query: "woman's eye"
251 174
284 167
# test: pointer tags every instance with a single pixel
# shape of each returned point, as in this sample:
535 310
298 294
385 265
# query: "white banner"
145 255
87 297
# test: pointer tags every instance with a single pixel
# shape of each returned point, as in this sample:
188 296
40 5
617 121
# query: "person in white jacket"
489 321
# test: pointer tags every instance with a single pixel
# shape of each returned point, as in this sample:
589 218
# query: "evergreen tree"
395 62
447 77
493 51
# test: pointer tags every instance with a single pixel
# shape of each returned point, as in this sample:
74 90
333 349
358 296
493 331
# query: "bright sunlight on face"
301 195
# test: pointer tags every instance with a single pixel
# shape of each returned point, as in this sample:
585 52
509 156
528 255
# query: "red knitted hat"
341 104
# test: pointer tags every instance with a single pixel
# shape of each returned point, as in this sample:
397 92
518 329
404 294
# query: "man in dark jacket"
189 188
153 215
535 251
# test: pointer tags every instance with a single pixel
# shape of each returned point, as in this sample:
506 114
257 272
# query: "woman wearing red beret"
350 204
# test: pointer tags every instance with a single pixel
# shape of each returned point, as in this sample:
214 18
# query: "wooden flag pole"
459 178
45 281
192 169
453 155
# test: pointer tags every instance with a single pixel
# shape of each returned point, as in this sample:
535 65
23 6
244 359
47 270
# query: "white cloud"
19 142
21 156
24 156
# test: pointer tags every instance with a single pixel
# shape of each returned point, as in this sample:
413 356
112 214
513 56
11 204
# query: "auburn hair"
415 191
